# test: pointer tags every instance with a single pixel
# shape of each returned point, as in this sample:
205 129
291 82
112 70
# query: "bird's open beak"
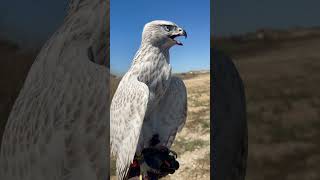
179 32
184 33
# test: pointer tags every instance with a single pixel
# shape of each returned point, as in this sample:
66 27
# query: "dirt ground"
193 143
283 105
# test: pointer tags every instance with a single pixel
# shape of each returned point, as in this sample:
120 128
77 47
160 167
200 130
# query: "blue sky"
127 19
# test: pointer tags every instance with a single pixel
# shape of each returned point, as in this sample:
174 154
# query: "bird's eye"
168 28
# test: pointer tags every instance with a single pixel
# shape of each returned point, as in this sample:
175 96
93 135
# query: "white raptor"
148 100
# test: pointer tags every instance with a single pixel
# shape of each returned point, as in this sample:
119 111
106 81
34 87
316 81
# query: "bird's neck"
153 54
151 61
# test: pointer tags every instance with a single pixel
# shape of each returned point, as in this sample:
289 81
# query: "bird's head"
162 33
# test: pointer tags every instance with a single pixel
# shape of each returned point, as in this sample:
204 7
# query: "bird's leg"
161 147
174 153
155 142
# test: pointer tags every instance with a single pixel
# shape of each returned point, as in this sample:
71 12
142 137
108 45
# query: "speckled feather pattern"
58 126
147 101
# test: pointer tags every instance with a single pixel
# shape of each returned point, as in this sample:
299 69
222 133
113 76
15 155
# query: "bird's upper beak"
179 32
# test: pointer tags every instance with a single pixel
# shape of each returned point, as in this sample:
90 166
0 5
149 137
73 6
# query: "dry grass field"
282 84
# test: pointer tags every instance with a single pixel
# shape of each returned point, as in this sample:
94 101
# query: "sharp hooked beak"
180 32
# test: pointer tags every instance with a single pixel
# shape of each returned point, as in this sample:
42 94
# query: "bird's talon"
174 153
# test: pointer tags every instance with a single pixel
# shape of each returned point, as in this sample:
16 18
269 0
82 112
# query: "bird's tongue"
179 43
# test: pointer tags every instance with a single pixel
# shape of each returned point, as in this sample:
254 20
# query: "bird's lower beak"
180 32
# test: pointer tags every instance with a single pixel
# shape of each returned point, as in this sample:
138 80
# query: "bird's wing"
127 111
171 114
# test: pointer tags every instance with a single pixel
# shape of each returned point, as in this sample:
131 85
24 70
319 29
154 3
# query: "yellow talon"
140 177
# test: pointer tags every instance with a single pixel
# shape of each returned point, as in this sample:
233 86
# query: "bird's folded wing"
128 108
172 112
